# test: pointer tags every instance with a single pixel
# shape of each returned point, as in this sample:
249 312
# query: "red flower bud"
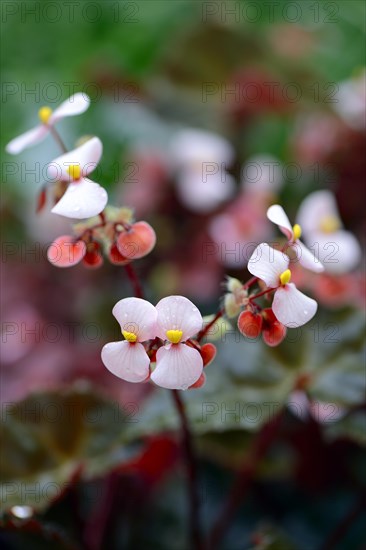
137 241
115 257
274 332
250 324
208 353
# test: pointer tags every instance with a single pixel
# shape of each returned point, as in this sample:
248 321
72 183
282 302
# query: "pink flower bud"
250 324
137 241
66 252
115 257
274 332
93 257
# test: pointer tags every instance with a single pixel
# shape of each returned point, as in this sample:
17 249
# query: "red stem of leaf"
241 484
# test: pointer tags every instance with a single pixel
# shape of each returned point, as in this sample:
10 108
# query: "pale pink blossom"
74 105
83 198
201 160
128 359
337 249
291 307
307 259
178 365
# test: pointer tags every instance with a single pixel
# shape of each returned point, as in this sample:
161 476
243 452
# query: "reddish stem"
240 486
250 282
205 330
261 293
137 287
342 527
56 136
195 532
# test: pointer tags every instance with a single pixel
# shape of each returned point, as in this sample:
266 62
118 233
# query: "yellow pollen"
44 114
75 171
129 336
174 336
285 277
297 231
330 224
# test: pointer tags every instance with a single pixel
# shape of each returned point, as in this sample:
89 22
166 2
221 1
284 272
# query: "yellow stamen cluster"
44 114
129 336
75 171
174 336
285 277
297 231
330 224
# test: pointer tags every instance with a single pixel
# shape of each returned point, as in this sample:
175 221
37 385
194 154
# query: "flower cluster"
105 229
157 343
271 271
112 233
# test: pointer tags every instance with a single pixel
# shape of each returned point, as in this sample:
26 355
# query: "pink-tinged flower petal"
178 313
298 404
127 361
277 215
316 207
339 252
201 192
178 366
137 316
74 105
267 264
291 307
65 252
18 144
137 242
82 199
307 258
191 146
87 157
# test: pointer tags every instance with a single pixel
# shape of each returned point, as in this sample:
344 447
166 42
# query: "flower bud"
274 332
137 241
250 324
66 252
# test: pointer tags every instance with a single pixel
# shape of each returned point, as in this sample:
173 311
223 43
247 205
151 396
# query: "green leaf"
48 437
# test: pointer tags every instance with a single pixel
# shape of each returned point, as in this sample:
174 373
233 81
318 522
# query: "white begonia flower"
128 359
201 159
337 249
74 105
178 365
291 307
277 215
351 101
83 198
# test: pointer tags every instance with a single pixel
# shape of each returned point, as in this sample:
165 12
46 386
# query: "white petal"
314 208
178 313
87 156
137 316
307 258
291 307
178 366
74 105
298 404
191 146
82 199
127 361
267 264
340 252
201 192
18 144
277 215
